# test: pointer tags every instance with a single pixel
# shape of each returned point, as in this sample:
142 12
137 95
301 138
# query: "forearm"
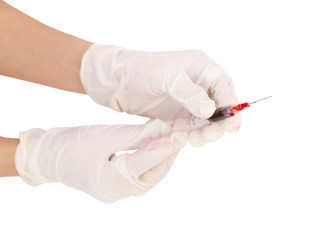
7 156
32 51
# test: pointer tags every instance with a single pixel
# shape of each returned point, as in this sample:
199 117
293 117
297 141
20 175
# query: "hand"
161 85
84 157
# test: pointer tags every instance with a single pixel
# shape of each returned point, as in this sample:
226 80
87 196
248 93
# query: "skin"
34 52
7 154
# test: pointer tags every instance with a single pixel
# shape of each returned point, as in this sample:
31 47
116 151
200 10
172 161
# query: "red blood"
241 106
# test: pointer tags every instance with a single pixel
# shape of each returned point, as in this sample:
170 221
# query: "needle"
219 115
261 100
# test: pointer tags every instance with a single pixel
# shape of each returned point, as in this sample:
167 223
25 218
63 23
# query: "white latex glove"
80 157
160 85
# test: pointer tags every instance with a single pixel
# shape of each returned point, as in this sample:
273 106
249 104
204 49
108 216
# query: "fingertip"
192 96
213 132
232 124
234 128
207 109
201 105
196 138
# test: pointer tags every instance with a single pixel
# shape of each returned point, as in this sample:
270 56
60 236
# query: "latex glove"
83 157
162 85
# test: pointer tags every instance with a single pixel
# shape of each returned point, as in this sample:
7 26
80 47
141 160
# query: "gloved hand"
83 157
160 85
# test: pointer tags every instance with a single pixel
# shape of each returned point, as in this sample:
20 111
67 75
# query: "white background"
274 179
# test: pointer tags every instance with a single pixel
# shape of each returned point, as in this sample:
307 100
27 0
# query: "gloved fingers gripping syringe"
219 115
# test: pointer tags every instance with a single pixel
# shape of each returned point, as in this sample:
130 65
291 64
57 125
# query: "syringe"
219 115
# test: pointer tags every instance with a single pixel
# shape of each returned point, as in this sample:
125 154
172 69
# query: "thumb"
191 96
152 163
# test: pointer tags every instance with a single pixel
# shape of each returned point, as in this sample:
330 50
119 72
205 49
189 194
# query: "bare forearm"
7 156
32 51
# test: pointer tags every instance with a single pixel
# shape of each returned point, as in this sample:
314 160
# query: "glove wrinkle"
84 157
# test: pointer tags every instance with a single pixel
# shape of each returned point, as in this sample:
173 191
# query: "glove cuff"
96 74
26 158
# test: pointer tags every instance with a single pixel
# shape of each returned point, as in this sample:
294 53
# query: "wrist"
27 157
7 156
96 74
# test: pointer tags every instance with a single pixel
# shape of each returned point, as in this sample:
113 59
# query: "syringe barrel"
185 125
195 122
222 113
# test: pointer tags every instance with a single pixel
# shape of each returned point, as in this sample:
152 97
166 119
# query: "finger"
126 137
231 124
212 132
223 92
219 86
196 139
191 96
155 159
158 172
209 133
